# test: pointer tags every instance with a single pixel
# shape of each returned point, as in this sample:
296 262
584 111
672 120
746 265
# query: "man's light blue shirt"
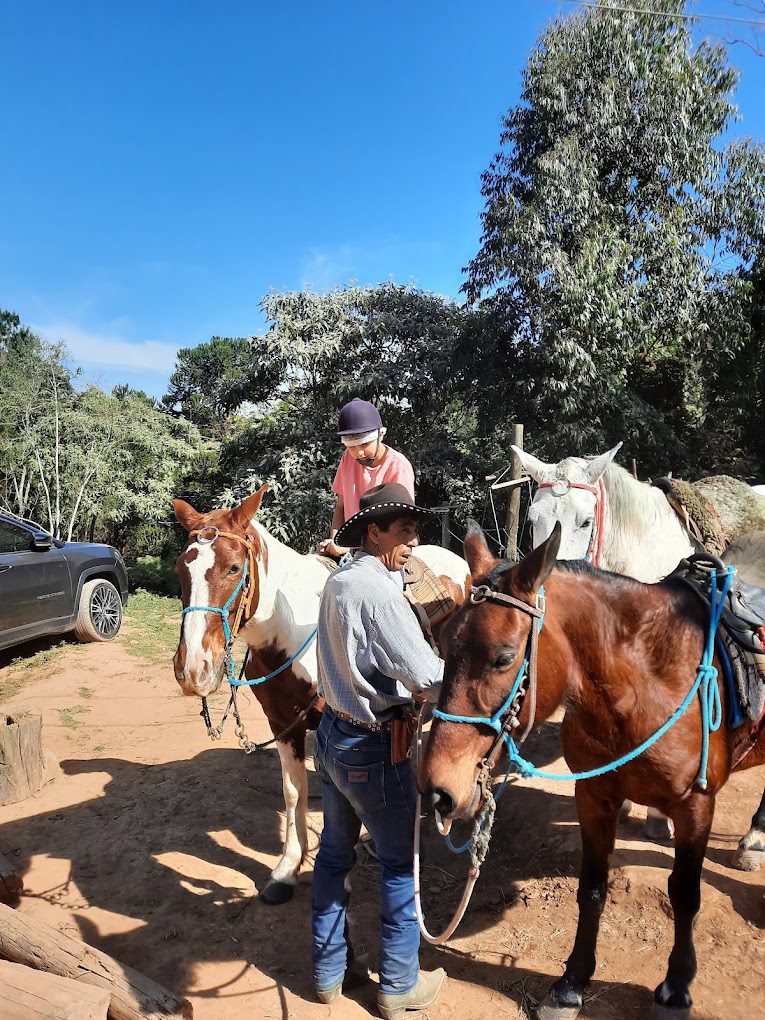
370 649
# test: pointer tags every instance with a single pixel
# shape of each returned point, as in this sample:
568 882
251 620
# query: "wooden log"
27 994
11 882
133 996
22 763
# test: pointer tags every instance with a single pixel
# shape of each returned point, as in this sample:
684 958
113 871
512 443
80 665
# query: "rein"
478 843
705 685
247 589
595 548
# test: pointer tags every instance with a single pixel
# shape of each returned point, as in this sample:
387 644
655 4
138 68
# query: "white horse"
629 527
624 525
283 616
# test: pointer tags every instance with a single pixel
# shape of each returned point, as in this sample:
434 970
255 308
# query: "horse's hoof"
748 859
549 1010
276 893
665 1013
658 829
750 855
624 810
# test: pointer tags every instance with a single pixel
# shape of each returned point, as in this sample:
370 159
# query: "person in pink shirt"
367 462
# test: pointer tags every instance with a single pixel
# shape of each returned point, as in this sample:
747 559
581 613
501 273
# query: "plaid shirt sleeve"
398 650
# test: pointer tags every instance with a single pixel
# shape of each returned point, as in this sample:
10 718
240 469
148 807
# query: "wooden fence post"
514 503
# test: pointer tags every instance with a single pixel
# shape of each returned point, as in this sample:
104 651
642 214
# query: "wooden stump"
11 882
27 994
133 996
22 762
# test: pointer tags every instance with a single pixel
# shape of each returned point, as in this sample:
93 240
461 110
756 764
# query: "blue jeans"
359 784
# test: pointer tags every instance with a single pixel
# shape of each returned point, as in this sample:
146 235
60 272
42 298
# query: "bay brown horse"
623 656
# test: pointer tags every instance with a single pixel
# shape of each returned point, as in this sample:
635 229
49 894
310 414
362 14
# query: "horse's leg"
281 885
693 821
597 822
750 855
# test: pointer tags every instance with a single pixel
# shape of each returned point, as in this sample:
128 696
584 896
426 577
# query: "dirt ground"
153 844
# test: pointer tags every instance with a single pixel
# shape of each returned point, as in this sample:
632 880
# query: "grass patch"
85 692
154 621
68 716
98 749
19 668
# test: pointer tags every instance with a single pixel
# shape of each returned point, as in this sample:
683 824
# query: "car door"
35 587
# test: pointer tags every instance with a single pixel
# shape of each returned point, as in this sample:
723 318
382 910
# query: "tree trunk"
22 762
27 994
133 996
11 882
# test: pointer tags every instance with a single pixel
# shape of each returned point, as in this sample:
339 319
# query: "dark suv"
50 587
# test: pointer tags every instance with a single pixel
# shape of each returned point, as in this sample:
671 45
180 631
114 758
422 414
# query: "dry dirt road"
153 844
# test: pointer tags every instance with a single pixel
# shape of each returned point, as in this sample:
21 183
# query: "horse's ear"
186 515
598 465
534 569
248 508
477 551
538 470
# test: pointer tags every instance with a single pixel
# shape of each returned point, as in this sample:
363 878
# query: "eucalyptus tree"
617 230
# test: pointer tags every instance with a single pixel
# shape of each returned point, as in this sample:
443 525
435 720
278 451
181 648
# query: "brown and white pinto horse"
623 655
283 611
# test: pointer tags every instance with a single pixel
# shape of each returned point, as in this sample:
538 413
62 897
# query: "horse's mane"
632 504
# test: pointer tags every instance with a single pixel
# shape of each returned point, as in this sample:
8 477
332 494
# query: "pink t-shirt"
352 479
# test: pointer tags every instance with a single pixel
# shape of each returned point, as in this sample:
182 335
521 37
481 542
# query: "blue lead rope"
705 685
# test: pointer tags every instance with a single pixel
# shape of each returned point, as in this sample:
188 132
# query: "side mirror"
42 540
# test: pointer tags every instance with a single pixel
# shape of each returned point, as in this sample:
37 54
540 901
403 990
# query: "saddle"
697 515
740 640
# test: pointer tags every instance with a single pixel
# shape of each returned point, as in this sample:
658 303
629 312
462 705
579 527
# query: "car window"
13 539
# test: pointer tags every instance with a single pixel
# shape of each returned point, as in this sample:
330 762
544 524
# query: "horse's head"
567 493
486 643
218 567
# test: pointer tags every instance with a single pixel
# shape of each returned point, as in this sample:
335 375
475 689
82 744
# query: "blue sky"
165 163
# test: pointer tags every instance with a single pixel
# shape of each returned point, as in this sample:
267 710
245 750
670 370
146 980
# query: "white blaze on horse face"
198 659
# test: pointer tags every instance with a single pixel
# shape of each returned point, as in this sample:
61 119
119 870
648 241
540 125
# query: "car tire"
99 616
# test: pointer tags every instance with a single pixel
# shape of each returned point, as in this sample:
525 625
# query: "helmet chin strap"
369 461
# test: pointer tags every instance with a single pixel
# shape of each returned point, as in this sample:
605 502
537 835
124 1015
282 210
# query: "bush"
155 574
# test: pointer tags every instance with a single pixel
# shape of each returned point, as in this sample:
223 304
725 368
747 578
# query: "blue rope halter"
223 612
705 685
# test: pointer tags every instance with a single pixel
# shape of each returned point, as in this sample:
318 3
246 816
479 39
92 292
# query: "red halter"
595 548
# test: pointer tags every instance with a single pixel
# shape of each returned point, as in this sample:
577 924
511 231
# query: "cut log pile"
132 995
31 995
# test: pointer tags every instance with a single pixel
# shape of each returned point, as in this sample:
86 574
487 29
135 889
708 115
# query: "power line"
662 14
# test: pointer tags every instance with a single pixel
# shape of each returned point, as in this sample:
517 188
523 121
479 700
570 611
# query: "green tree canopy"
615 229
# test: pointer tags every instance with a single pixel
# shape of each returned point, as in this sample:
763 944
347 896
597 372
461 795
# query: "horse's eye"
234 569
504 660
587 523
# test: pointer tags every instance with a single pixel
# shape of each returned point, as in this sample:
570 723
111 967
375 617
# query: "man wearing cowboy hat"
366 463
372 658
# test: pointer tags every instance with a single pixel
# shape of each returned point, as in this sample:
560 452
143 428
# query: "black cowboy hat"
382 503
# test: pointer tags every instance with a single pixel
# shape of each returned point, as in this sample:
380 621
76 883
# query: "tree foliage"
394 345
81 459
615 228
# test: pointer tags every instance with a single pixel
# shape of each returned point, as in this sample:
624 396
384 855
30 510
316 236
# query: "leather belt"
377 727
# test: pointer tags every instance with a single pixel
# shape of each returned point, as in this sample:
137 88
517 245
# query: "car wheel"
99 616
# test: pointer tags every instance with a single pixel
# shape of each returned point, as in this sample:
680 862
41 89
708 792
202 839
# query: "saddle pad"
424 588
746 694
696 513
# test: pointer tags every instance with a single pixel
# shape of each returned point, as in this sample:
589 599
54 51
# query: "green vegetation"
618 293
68 716
152 622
